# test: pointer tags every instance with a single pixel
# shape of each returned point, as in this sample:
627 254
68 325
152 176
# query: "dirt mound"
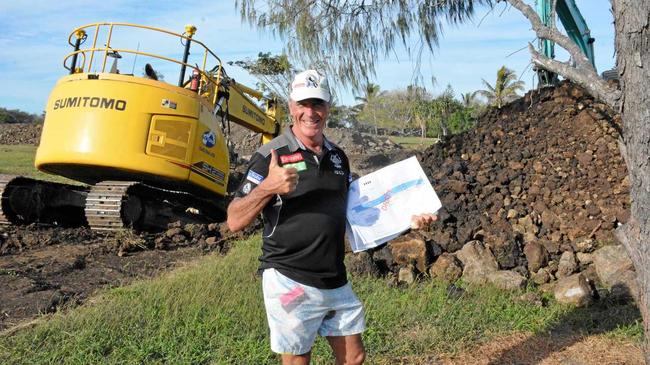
353 142
20 133
544 169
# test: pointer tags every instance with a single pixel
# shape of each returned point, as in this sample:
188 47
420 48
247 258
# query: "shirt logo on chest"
336 160
294 160
294 157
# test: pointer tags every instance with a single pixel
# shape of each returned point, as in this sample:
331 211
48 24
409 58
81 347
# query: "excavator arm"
575 26
245 112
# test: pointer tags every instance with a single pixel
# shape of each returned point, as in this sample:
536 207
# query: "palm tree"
505 88
370 93
468 99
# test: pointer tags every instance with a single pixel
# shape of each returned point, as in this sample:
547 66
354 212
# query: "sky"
34 34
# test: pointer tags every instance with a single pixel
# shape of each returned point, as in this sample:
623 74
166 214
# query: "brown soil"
528 349
43 269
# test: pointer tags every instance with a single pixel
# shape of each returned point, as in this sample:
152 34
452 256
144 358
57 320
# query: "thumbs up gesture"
280 180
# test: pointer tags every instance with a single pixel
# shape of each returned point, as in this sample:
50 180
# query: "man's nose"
310 111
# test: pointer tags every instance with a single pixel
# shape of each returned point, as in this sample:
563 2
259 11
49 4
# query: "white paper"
380 204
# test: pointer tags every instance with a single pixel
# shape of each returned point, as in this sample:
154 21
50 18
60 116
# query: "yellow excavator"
149 152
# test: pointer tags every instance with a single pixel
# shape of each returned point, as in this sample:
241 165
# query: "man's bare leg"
348 350
288 359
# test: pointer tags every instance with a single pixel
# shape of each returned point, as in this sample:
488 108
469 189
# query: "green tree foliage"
19 116
273 71
415 107
388 110
505 88
354 33
342 116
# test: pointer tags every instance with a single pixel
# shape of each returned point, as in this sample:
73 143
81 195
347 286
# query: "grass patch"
414 142
212 312
19 160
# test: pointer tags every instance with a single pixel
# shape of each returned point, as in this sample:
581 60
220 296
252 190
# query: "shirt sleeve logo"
254 177
246 188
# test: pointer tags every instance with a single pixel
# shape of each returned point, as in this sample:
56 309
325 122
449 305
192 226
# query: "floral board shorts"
297 312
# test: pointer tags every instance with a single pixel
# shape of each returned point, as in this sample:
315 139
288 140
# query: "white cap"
310 84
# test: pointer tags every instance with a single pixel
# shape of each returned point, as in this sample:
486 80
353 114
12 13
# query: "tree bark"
632 24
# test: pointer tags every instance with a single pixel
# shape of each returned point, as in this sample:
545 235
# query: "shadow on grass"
605 315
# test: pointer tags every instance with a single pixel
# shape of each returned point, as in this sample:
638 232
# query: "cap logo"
311 82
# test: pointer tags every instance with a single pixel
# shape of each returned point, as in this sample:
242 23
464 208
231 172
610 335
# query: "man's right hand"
280 180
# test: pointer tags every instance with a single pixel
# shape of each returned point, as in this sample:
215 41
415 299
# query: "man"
299 181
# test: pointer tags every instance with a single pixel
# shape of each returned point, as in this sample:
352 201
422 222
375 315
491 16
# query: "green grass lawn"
212 312
414 142
19 160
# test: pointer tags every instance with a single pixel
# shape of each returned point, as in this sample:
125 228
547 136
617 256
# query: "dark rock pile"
352 142
20 133
540 184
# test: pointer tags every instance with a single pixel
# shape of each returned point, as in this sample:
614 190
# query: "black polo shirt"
304 231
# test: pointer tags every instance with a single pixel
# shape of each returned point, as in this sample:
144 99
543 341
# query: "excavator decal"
209 172
91 102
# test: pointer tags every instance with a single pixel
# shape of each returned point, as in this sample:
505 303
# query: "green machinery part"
576 28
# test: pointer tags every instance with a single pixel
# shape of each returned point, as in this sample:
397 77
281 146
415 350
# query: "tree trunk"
632 24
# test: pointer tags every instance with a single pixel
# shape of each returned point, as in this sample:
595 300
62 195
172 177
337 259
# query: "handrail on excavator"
79 35
227 97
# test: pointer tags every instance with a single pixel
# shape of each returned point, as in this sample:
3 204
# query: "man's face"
309 116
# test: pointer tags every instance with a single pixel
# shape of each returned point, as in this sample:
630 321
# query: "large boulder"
478 262
567 265
536 255
504 245
573 290
410 249
615 270
507 279
446 268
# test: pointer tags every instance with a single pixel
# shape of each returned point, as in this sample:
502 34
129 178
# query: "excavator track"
25 200
114 205
4 180
108 205
104 205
